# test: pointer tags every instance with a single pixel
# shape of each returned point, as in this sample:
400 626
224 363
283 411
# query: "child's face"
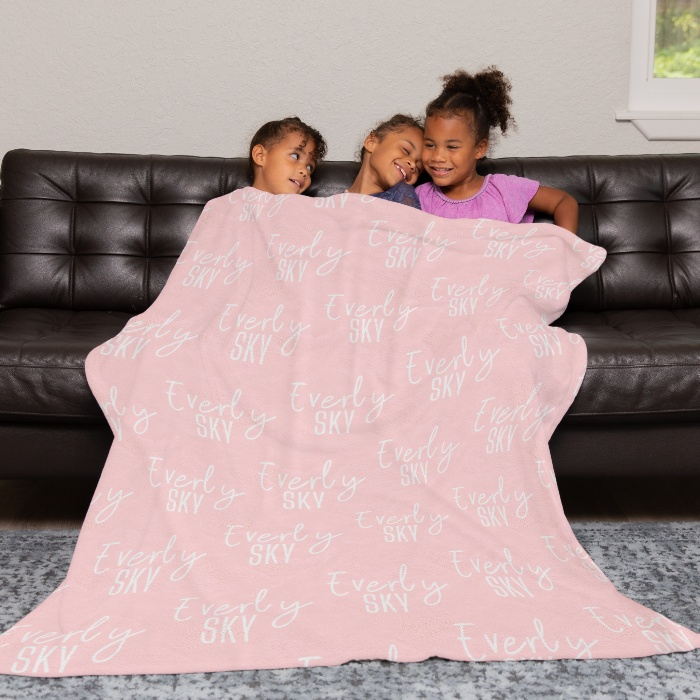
450 150
396 158
286 166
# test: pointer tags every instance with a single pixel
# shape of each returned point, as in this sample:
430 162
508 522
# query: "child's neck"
464 189
364 183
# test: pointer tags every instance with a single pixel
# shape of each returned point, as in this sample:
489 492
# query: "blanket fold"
331 443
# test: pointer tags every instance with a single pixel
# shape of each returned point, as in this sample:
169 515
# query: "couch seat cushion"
43 352
643 366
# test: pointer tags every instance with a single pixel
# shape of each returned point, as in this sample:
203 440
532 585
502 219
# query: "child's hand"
562 207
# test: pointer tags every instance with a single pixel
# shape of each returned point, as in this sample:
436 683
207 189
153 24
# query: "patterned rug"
657 564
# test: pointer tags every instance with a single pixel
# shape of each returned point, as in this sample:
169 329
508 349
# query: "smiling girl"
457 130
391 161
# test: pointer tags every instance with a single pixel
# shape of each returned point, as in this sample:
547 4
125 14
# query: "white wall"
172 76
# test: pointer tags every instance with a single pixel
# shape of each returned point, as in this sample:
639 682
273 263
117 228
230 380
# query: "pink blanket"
331 443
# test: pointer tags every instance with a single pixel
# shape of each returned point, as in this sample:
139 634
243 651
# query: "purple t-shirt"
501 197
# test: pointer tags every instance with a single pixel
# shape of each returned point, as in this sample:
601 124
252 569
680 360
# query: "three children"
458 128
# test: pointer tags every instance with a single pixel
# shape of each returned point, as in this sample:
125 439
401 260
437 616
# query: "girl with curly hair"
458 126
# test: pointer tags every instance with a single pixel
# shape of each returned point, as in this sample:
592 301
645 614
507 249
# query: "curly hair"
483 98
396 123
273 132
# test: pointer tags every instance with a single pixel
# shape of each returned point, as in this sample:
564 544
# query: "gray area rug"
657 564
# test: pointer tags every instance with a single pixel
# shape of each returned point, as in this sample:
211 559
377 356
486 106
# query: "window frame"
661 108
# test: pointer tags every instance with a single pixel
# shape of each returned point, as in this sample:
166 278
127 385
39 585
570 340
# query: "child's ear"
481 148
258 154
371 142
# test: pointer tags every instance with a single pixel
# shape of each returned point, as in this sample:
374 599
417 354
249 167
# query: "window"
664 92
677 39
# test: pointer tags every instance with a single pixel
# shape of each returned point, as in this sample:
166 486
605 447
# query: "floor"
62 504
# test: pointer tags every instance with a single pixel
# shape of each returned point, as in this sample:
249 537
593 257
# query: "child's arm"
558 204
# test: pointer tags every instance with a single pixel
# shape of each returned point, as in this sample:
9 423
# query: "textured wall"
172 76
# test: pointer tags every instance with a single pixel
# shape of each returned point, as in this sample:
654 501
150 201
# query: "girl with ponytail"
458 126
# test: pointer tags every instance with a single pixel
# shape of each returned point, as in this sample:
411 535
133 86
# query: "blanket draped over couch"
331 436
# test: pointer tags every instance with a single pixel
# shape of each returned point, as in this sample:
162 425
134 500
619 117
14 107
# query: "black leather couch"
87 240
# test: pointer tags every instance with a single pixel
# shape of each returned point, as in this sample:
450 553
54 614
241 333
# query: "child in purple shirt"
457 129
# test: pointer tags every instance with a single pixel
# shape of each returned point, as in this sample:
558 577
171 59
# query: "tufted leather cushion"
90 231
42 358
86 240
100 231
639 313
643 365
644 210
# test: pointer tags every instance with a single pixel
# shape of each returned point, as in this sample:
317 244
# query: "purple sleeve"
517 192
424 193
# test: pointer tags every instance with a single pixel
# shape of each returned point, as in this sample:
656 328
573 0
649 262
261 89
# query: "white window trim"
662 109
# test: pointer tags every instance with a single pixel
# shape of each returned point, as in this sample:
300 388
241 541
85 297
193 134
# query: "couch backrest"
102 231
644 210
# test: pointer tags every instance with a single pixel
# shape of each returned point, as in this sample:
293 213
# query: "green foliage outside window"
677 53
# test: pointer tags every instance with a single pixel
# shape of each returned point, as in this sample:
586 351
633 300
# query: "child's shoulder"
401 187
506 184
403 193
515 193
425 187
